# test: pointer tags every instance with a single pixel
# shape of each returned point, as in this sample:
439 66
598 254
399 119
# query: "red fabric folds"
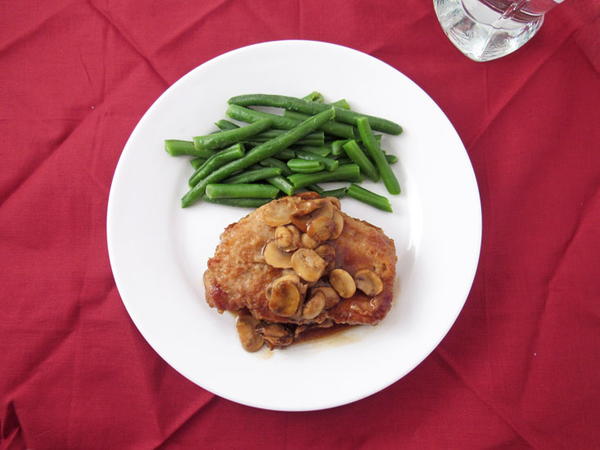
520 368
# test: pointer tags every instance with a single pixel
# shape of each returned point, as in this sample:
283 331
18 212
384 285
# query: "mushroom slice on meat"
246 326
368 282
276 257
342 282
308 264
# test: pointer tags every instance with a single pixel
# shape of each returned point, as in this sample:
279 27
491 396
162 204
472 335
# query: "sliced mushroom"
311 210
287 238
331 296
286 275
334 201
320 229
369 282
308 264
250 339
284 296
279 212
308 195
301 222
342 282
321 226
325 210
308 242
276 335
293 276
276 257
327 252
309 206
314 306
338 222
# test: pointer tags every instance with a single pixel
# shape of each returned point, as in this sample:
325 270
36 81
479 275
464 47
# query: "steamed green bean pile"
264 155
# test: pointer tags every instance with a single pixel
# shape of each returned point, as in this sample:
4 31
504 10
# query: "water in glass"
488 29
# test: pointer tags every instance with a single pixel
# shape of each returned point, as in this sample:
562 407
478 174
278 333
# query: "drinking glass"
488 29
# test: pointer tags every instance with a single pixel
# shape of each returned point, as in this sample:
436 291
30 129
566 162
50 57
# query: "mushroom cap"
287 237
369 282
276 257
338 225
308 264
308 242
320 228
279 212
334 201
314 306
332 298
342 282
327 252
284 296
250 339
276 335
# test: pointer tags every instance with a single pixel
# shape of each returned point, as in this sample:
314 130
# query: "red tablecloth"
519 369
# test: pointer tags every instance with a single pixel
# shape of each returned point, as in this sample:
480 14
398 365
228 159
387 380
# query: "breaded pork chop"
299 262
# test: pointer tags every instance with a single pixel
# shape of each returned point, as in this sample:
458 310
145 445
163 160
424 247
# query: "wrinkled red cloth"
519 369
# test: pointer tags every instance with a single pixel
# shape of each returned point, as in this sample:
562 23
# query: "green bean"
251 115
226 125
330 164
392 159
338 193
336 147
259 153
272 162
285 122
368 197
350 172
321 150
228 137
377 138
316 138
387 174
246 190
253 175
342 103
242 202
342 161
315 187
232 153
282 184
355 153
299 105
286 154
197 162
334 128
314 96
175 147
304 166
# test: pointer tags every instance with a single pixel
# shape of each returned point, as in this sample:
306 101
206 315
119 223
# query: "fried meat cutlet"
300 263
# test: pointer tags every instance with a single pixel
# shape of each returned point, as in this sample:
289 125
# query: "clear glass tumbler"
488 29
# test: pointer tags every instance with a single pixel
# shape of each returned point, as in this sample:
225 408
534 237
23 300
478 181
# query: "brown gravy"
319 333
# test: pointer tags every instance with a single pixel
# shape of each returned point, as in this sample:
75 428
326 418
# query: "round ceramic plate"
158 251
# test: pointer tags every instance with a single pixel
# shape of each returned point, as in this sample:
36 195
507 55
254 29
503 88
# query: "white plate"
158 251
